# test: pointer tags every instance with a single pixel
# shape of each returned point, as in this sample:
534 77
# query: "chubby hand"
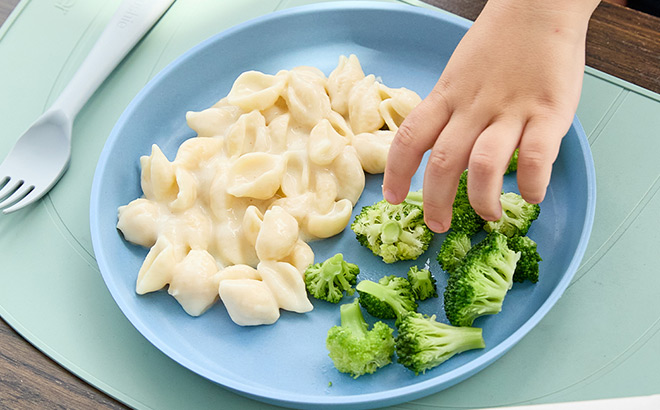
514 81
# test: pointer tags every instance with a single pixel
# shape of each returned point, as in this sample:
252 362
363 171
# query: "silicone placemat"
600 340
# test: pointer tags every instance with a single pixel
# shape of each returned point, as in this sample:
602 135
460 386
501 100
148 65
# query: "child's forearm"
561 15
578 8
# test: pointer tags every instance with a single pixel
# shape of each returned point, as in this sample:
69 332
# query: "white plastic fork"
41 155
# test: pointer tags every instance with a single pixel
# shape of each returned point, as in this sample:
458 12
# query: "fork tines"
11 193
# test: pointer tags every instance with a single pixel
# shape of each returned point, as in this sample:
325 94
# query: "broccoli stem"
352 319
332 268
383 294
415 198
390 232
410 239
455 339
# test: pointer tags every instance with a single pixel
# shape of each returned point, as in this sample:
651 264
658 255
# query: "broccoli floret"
517 216
463 217
527 267
391 297
481 281
513 163
461 191
455 246
423 343
422 283
393 232
355 349
329 280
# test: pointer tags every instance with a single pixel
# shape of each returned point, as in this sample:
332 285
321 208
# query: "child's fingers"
448 159
489 159
539 147
416 135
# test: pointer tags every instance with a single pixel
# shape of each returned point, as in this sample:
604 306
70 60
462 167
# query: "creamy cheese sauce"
280 161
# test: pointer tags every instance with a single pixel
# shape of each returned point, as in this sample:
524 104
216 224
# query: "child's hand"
513 81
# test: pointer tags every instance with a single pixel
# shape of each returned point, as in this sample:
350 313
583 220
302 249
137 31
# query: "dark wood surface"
622 42
30 380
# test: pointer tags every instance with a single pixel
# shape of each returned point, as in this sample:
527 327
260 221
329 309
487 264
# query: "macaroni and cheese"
277 163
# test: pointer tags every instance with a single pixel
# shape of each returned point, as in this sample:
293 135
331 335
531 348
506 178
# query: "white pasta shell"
252 221
241 271
194 152
396 105
287 285
249 302
195 282
325 143
372 148
255 175
249 134
279 130
331 223
341 80
277 236
302 256
230 245
295 180
297 206
363 102
158 267
213 121
158 179
139 221
325 191
340 125
194 228
348 171
254 90
187 190
308 102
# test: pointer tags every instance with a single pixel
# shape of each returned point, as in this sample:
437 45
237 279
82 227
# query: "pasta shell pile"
278 162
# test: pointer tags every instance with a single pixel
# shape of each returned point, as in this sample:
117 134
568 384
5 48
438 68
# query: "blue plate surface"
287 363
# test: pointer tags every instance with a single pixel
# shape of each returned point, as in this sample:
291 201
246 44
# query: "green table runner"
601 340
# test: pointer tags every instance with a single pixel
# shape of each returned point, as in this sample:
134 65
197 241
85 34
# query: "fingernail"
436 226
390 196
491 217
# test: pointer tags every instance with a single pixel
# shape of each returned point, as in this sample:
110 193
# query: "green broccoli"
453 249
355 349
517 216
513 163
415 198
422 283
461 191
463 217
527 267
423 343
329 280
391 297
481 281
393 232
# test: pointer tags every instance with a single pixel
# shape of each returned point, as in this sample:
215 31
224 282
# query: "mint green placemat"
601 339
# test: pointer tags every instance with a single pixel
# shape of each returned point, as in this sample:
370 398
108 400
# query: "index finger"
415 136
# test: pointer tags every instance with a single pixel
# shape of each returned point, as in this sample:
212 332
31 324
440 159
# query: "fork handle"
127 26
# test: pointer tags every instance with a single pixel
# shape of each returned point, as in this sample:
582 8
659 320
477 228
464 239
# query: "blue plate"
287 363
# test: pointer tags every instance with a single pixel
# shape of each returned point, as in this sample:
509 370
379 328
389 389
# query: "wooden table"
621 42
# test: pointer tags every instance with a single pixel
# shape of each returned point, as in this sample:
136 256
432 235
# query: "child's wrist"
568 11
569 18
